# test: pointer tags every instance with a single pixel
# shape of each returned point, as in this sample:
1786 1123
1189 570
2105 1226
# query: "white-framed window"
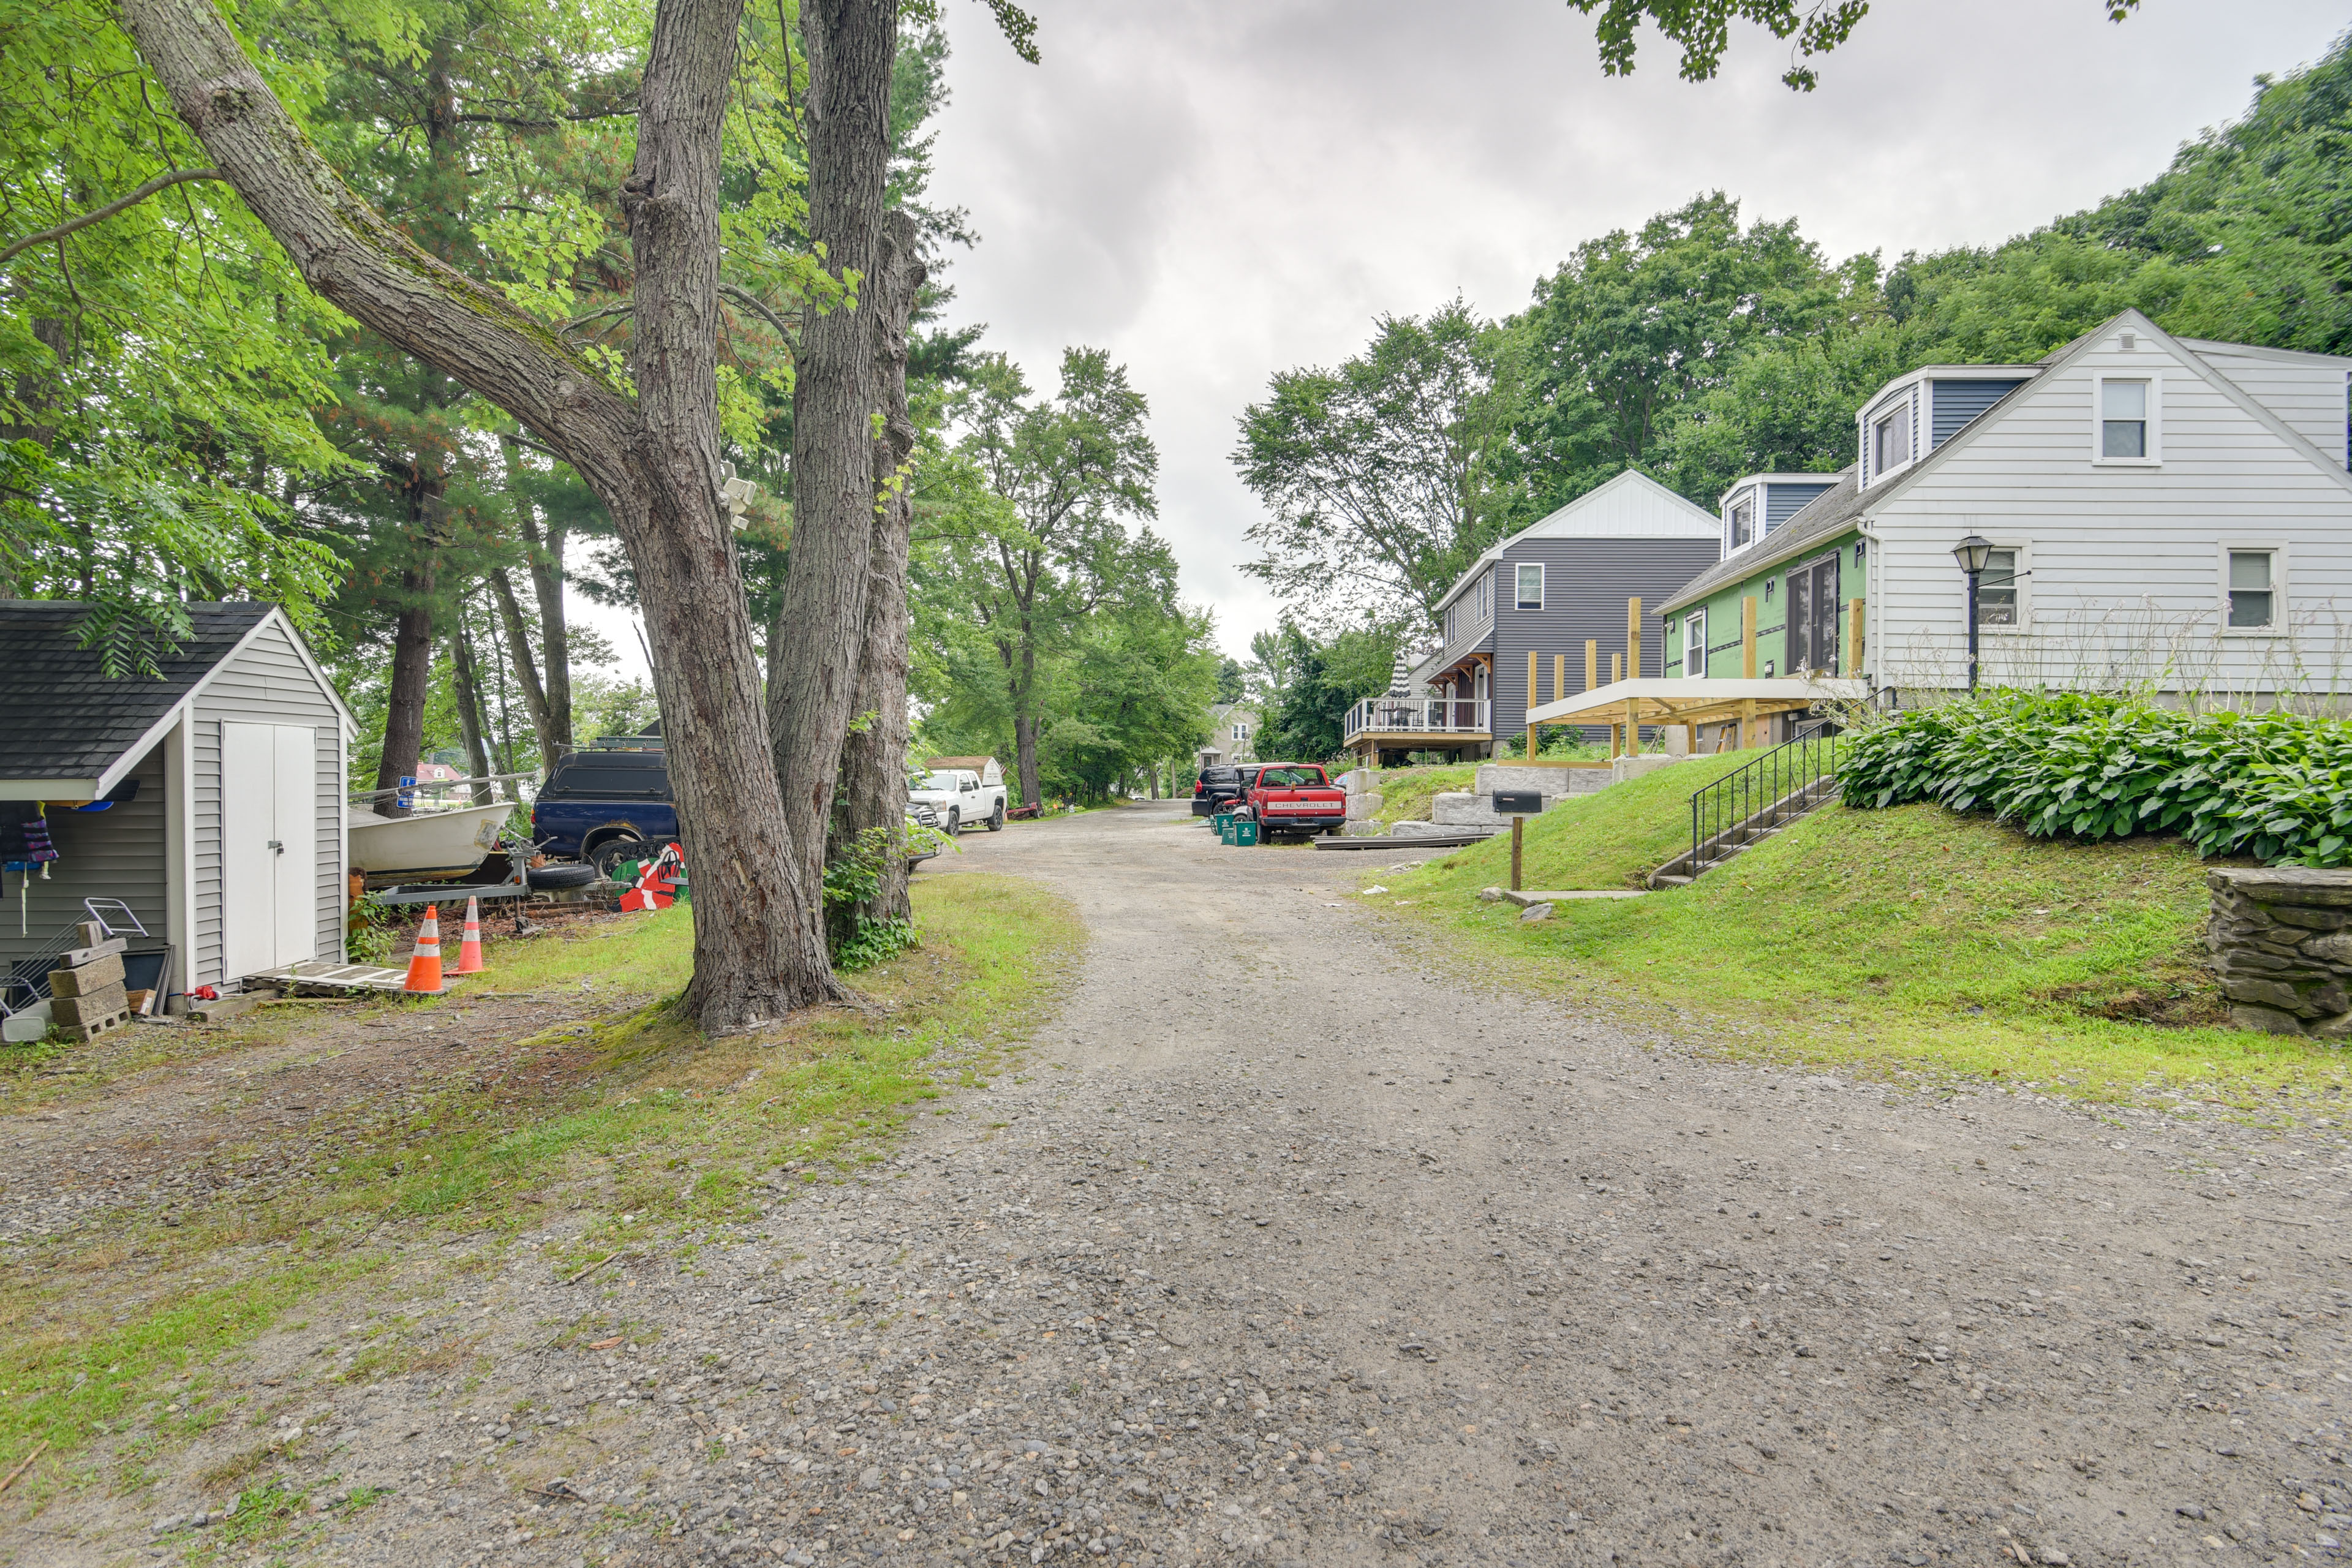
1528 585
1241 733
1451 618
1888 438
2127 420
2253 587
1742 528
1694 645
2001 590
1485 596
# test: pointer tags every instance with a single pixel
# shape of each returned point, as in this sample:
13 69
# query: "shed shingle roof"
60 716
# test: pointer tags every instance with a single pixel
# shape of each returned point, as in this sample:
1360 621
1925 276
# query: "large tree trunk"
850 45
1025 757
470 720
759 948
873 791
412 681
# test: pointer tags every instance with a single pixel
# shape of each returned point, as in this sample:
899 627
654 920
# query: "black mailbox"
1518 803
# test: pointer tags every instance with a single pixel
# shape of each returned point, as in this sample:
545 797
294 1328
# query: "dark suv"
1221 786
606 803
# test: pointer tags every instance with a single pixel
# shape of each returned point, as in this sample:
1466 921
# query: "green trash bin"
1245 831
1223 823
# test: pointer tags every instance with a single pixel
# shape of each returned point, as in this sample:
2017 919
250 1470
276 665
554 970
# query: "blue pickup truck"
608 802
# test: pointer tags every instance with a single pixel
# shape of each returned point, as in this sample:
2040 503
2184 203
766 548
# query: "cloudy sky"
1217 191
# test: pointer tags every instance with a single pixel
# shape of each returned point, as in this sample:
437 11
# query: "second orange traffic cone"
424 963
469 947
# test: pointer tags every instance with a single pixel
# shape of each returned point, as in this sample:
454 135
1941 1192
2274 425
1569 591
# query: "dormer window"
1743 521
1890 440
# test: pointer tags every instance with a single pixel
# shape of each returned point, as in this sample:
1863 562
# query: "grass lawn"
630 1117
1913 939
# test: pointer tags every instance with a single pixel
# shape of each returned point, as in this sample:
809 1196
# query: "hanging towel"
38 846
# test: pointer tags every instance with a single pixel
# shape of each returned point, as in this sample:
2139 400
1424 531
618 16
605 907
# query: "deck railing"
1418 716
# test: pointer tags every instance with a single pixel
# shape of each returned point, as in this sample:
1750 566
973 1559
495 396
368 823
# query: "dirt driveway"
1291 1246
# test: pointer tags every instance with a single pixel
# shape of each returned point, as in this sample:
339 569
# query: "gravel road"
1290 1246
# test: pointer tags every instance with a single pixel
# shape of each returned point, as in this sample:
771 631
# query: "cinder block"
97 1005
90 979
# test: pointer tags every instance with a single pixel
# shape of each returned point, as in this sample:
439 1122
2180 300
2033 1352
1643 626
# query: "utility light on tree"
736 494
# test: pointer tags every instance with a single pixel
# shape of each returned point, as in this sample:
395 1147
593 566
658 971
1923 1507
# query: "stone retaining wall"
2281 945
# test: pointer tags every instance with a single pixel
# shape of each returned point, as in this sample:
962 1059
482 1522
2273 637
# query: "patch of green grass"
1912 938
1405 793
640 1118
1611 838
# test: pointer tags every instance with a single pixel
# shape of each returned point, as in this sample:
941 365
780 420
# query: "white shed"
210 801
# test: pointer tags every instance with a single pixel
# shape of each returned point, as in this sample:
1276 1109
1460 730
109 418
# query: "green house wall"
1722 623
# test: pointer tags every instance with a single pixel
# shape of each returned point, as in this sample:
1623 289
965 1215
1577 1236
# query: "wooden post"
1560 673
1532 703
1632 729
1633 639
1518 823
1853 662
1616 668
1748 736
1591 663
1748 638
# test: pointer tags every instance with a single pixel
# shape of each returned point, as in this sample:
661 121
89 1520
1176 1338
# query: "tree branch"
745 297
353 258
159 183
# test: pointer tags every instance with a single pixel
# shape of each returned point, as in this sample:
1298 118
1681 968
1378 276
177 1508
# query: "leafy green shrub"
852 878
2277 786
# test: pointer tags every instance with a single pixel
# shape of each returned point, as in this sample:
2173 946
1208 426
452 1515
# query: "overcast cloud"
1215 192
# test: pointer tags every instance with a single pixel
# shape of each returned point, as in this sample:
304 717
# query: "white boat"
427 846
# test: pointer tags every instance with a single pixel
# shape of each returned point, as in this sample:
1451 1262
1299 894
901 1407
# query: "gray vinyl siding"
266 683
117 853
1955 403
1782 502
1586 585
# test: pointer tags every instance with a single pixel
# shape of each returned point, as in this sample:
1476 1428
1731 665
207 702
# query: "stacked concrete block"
1475 807
87 997
2281 937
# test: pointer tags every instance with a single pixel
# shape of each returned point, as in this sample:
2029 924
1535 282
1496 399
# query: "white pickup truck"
963 791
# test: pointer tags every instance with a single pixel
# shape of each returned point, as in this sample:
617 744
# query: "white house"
2164 513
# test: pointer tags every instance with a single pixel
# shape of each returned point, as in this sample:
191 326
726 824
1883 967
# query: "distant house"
1232 735
2167 512
1542 615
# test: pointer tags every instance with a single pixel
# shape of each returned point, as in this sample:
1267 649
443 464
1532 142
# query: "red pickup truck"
1295 797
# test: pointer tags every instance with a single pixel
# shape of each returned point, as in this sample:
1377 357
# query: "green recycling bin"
1223 823
1245 831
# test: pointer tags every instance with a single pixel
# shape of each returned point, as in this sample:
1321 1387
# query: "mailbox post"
1518 805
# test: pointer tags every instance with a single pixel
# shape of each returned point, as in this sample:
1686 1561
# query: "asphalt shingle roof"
61 718
1822 519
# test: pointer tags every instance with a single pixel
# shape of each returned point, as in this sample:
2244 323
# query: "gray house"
1544 615
210 801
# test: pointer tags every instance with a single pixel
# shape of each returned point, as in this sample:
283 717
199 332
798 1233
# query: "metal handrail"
1780 785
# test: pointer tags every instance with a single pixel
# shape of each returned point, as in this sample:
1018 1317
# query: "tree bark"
758 947
1025 757
411 680
526 670
547 586
873 789
469 708
850 45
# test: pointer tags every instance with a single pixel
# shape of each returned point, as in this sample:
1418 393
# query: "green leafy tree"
1311 687
1373 473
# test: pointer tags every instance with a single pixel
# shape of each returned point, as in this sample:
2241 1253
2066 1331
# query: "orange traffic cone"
469 947
424 963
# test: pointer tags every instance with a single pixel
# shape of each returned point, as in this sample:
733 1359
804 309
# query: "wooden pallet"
336 979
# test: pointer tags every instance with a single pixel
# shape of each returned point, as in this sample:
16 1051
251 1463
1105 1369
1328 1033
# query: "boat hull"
428 846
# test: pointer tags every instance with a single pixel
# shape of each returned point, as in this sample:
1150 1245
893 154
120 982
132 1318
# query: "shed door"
269 859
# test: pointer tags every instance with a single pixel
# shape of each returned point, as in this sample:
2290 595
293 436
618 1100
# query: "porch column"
1633 725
